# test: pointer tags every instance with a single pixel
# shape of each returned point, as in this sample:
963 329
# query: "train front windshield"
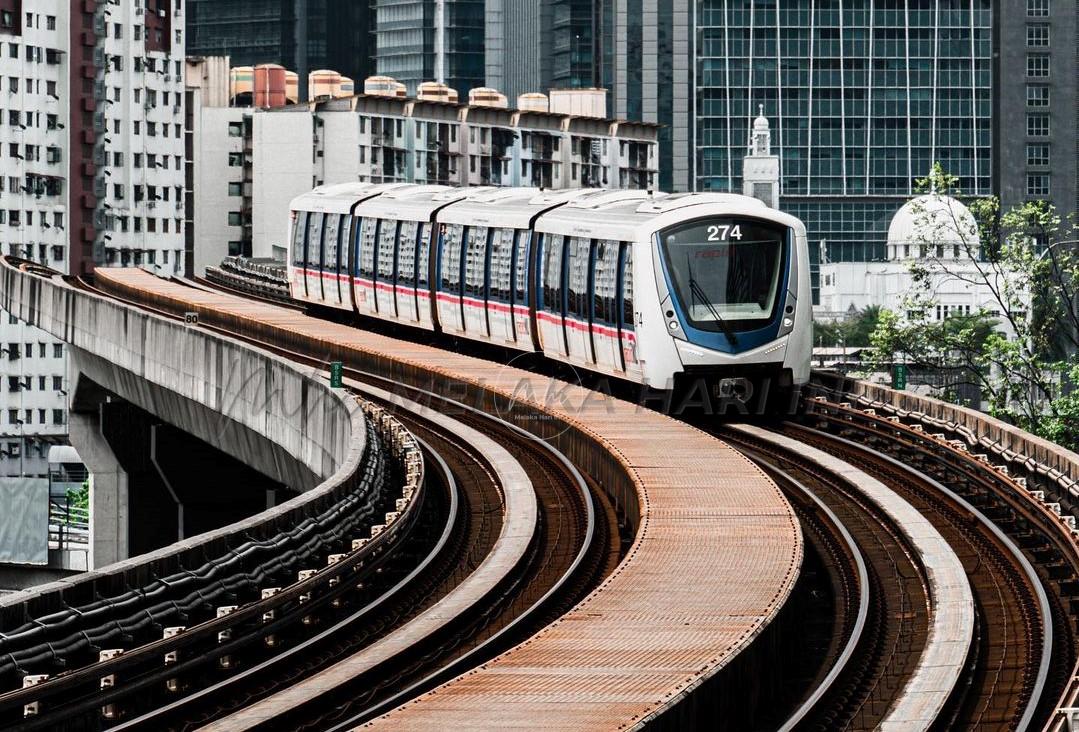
725 273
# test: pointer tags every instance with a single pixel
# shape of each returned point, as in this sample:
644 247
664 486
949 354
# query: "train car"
669 291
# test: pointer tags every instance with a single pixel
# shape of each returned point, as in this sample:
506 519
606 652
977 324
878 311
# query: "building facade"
424 40
91 149
863 97
1036 110
302 35
540 45
391 139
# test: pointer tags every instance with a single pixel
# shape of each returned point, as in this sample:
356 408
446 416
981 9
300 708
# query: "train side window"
329 239
626 281
342 243
423 253
605 280
406 254
368 239
314 239
578 252
387 243
451 258
552 274
476 256
299 229
501 264
355 235
520 267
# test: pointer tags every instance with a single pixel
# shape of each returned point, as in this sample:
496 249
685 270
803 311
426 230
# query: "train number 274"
724 232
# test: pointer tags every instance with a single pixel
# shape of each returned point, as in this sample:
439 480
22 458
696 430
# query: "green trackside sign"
336 370
899 376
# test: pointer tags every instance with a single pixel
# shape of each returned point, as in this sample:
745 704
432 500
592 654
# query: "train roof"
509 207
596 213
624 217
341 197
414 202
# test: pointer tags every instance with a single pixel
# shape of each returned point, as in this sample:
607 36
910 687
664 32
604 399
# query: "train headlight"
672 325
788 323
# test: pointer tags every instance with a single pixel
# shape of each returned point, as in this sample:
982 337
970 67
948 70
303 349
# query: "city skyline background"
863 96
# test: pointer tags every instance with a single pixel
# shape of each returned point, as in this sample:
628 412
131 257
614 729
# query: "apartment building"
377 139
90 175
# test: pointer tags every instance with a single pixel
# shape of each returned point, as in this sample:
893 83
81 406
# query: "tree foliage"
852 332
1020 347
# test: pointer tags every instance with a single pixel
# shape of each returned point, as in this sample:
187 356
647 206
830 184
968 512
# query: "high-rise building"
431 40
301 35
91 147
538 45
1036 109
863 97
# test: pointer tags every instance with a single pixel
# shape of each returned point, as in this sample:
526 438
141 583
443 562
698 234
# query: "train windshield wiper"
697 292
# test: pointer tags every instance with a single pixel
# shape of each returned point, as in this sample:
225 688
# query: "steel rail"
274 660
1018 558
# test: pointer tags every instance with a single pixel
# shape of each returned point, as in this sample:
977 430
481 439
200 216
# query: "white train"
661 290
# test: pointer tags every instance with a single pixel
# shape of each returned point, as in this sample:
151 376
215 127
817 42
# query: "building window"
234 218
1037 155
236 160
1038 35
58 416
1038 185
236 248
1038 8
1038 125
1037 66
1037 96
236 129
57 350
236 189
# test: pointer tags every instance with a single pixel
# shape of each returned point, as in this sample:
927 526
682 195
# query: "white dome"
933 219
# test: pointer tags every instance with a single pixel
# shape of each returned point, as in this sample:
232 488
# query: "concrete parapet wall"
979 428
237 398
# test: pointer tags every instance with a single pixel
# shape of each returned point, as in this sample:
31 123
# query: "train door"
352 261
578 262
313 266
329 258
299 254
551 308
386 274
605 336
424 304
500 285
450 277
365 267
474 302
345 241
627 325
522 312
405 292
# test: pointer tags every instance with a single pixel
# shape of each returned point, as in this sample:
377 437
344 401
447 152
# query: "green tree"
1020 349
853 332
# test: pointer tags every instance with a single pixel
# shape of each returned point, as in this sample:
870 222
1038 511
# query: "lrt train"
656 289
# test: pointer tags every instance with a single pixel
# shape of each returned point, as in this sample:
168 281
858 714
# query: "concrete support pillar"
109 506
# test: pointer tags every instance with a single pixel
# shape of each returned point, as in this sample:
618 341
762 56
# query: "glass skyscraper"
431 40
862 97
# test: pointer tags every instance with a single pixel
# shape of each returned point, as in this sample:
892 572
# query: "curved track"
610 440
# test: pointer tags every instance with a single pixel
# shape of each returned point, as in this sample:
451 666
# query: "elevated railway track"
922 573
